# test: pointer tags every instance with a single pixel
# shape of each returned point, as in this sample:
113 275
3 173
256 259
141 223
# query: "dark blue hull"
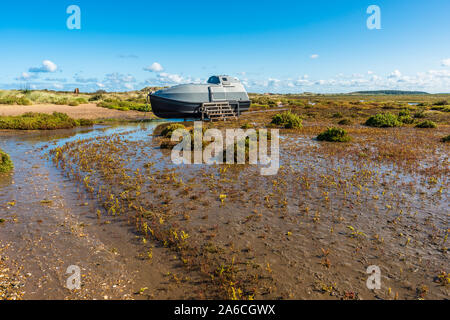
169 109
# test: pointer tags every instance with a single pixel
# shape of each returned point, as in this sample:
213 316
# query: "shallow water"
349 186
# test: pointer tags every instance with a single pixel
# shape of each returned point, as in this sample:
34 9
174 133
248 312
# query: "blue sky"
277 46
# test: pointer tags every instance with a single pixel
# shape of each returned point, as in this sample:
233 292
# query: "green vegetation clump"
440 103
41 121
334 135
441 108
426 124
404 116
446 139
96 97
345 122
288 120
6 164
23 101
419 114
167 132
383 120
77 101
123 105
247 125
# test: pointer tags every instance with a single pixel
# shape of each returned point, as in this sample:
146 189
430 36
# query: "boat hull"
168 108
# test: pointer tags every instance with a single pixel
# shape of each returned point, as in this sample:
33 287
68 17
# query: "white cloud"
47 66
446 62
85 80
25 76
273 82
169 78
155 67
395 74
314 56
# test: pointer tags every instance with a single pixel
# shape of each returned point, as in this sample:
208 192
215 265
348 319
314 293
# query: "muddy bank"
111 201
310 232
50 223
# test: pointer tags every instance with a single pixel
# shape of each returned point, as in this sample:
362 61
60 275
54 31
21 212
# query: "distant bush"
167 131
288 120
96 97
446 139
41 121
426 124
337 115
345 122
441 108
77 101
405 117
440 103
383 120
419 114
404 113
16 100
334 135
61 101
84 122
123 105
6 164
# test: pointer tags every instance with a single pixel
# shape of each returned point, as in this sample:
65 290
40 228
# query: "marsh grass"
6 164
10 100
427 124
288 120
167 131
124 105
41 121
334 135
345 122
383 120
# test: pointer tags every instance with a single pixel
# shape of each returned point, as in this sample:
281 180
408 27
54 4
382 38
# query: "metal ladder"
217 111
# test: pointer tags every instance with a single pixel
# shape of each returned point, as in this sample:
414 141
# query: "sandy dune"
85 111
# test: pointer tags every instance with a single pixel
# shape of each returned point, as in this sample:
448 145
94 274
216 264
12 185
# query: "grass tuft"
6 164
167 131
426 124
383 120
41 121
288 120
334 135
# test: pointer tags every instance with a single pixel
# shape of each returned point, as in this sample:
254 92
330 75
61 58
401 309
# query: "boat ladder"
217 111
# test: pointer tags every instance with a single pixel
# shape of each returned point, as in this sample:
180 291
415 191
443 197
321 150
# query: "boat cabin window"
214 80
225 81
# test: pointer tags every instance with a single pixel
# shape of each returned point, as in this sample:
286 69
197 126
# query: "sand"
85 111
